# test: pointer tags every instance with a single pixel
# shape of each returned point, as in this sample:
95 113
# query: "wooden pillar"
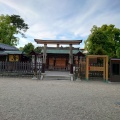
87 67
57 45
54 62
78 66
44 58
71 59
6 58
104 65
106 68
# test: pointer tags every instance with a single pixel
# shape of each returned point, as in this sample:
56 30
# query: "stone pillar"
44 58
35 66
71 62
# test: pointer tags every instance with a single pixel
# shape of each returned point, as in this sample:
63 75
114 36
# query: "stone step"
56 77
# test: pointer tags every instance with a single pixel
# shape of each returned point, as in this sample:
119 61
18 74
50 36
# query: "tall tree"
28 48
19 23
7 31
104 40
11 26
38 49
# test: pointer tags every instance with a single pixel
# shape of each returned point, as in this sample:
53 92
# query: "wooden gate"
96 68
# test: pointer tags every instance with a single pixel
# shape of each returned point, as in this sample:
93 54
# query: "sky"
62 19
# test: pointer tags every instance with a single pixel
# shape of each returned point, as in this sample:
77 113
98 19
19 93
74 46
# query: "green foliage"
21 48
28 48
11 26
19 24
7 31
37 50
104 40
118 52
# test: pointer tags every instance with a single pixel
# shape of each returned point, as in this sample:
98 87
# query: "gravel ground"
27 99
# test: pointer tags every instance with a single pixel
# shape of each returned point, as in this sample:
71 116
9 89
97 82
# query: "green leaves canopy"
11 26
104 40
19 24
7 31
28 48
37 50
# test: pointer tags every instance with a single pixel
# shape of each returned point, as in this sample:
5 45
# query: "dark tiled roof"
11 52
61 50
3 53
7 47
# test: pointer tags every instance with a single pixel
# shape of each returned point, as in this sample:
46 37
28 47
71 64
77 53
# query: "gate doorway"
115 70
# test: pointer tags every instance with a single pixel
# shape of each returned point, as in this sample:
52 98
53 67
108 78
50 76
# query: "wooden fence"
80 70
20 69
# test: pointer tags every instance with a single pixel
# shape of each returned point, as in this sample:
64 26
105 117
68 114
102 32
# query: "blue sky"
62 19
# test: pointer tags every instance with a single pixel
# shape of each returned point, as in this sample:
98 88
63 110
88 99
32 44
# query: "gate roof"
74 42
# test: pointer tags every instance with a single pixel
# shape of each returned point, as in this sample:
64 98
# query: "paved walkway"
27 99
57 73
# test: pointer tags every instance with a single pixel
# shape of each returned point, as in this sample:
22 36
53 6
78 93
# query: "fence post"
87 65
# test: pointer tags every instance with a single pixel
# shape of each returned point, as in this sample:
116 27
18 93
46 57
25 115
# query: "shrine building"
62 58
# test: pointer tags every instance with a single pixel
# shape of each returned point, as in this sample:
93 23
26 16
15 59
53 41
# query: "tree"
19 24
104 40
21 48
7 31
28 48
118 52
37 50
11 26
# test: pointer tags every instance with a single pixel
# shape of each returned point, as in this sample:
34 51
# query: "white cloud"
22 42
57 19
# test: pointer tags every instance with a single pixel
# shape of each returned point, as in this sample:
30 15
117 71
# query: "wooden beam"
94 68
97 56
73 42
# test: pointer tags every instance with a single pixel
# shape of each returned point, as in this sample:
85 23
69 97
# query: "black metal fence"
20 69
